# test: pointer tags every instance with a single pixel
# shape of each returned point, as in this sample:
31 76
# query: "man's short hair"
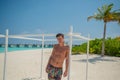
60 34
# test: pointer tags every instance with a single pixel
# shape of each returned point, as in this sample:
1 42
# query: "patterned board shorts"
54 73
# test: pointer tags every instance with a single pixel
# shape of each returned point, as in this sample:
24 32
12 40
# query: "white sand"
25 65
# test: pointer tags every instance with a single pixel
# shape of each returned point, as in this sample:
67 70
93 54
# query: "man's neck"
61 44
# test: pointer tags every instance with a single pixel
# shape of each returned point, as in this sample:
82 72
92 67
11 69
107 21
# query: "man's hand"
65 73
47 69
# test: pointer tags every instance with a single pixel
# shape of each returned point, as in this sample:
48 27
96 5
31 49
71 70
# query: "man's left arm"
67 62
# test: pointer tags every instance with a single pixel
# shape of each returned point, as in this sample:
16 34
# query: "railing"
72 36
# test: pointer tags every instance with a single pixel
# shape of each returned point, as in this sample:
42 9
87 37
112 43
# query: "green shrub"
112 47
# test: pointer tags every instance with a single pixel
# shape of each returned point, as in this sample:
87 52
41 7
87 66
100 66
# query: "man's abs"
56 63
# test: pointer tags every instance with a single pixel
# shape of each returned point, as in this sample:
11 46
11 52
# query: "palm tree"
106 15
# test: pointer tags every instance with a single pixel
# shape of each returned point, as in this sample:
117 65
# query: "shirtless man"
59 54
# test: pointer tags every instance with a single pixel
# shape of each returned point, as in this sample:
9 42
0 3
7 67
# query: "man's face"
60 39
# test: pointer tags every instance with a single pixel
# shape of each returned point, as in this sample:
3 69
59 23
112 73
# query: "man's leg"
50 76
58 73
51 73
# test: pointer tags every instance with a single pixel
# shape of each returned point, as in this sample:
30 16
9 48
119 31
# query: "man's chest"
60 52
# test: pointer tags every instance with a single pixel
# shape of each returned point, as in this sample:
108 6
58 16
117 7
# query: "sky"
55 16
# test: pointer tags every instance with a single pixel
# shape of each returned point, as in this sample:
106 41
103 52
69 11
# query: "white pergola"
27 37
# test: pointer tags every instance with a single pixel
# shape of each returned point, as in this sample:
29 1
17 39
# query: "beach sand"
26 65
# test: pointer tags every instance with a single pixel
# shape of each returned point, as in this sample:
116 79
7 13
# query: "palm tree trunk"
103 41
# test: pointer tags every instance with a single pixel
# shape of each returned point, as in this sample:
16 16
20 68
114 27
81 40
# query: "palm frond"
116 10
111 5
90 17
117 16
113 17
108 9
100 11
97 17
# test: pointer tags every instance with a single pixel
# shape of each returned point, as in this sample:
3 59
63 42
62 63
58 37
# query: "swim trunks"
54 73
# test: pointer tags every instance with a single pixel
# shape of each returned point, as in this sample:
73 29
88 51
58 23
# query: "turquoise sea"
2 50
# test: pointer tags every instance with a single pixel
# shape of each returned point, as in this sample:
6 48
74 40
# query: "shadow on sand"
33 78
94 60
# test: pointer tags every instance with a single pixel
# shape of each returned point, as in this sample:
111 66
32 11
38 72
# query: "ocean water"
2 50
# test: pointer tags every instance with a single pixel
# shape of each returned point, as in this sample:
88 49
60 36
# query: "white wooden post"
5 56
87 58
70 45
42 51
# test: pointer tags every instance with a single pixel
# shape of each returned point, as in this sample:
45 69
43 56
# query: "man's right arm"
53 51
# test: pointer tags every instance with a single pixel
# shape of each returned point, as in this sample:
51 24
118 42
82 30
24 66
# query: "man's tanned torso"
58 55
